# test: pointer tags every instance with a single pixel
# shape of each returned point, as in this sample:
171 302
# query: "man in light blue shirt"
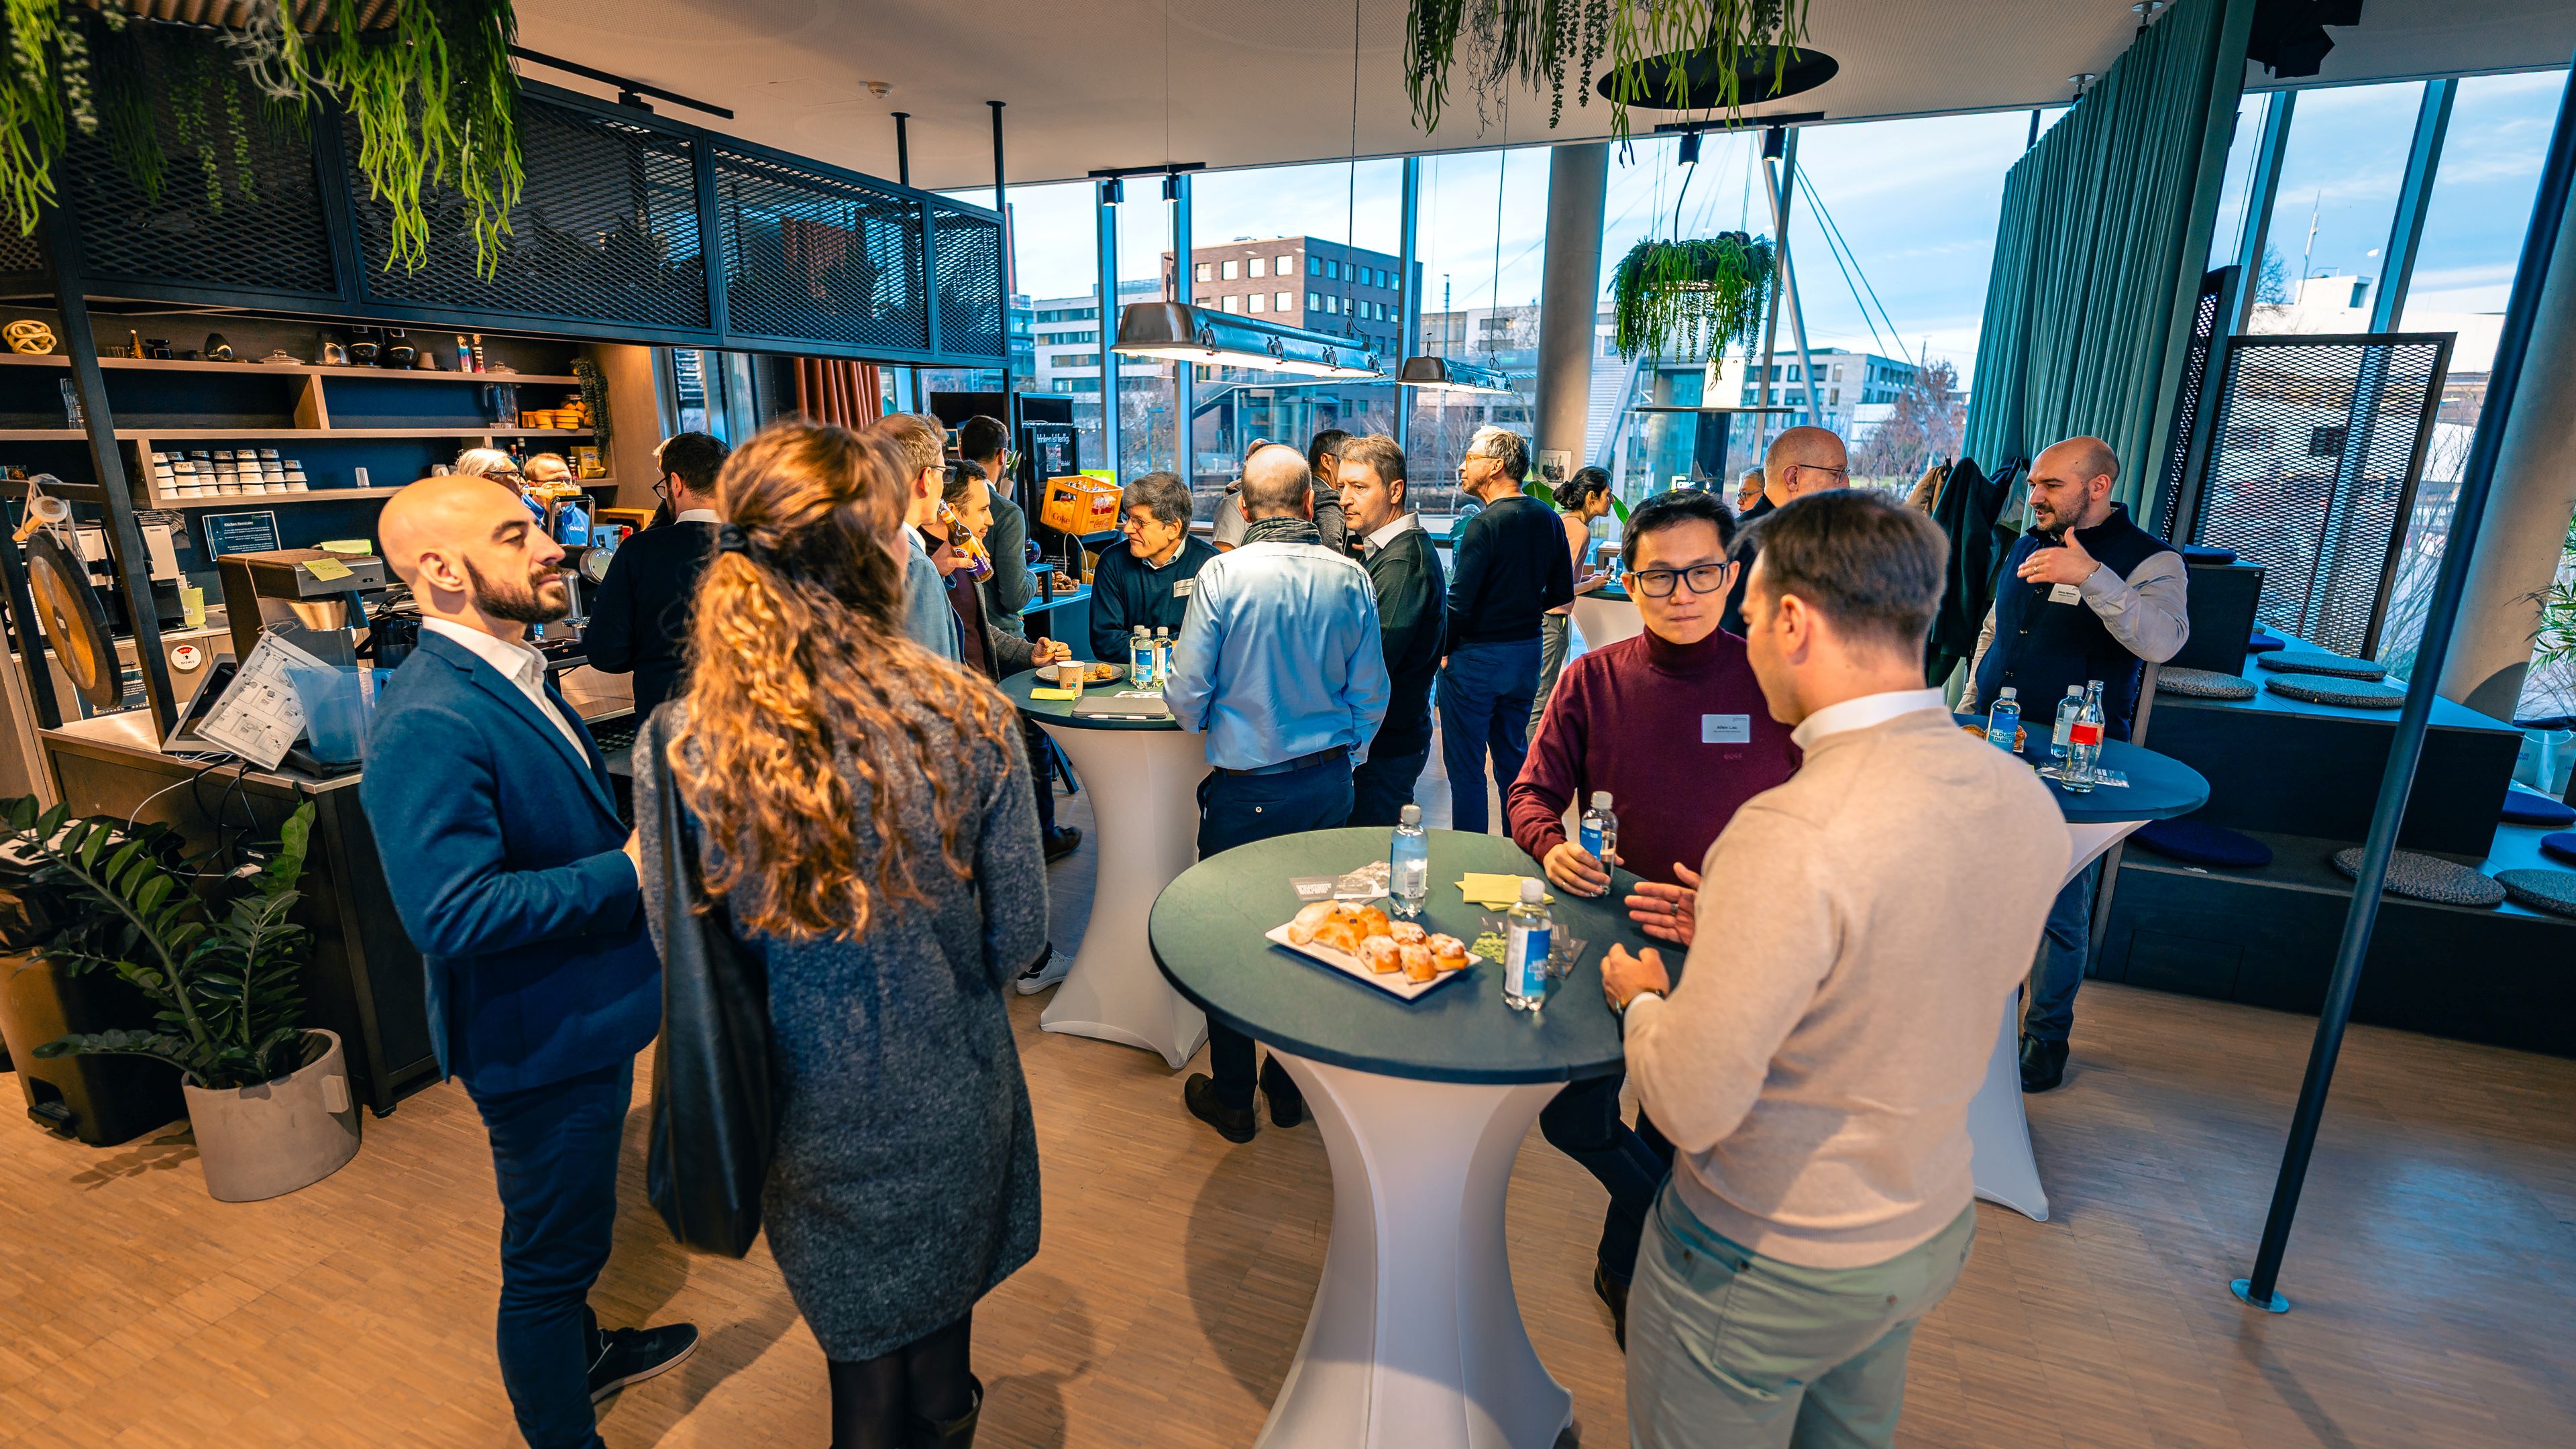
928 620
1279 664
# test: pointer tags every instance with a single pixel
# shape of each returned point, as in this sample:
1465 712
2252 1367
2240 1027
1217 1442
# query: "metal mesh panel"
19 254
229 196
606 228
2195 377
816 258
968 266
2312 471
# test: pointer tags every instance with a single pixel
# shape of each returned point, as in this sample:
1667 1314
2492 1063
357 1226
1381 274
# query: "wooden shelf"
409 374
200 435
310 495
45 435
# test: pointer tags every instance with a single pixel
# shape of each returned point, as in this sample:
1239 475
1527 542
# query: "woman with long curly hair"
864 815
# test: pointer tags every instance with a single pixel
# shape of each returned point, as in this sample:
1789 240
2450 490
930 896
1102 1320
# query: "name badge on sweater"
1726 729
2066 594
1181 587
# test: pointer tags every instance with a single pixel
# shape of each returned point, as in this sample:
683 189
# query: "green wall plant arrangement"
1539 42
428 84
1691 297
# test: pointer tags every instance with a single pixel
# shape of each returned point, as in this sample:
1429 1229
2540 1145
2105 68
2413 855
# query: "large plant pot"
266 1141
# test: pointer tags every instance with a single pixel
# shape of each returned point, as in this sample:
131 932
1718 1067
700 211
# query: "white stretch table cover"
1416 1340
1606 621
2005 1170
1145 812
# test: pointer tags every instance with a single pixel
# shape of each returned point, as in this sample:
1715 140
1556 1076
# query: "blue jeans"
1383 785
1238 810
2063 945
1485 695
1583 1122
1728 1347
554 1154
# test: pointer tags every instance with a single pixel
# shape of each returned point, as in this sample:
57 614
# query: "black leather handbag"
715 1097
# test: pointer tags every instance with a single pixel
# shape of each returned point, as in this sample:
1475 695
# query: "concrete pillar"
1578 180
2521 537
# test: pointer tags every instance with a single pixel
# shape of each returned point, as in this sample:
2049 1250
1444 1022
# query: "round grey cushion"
2353 693
2317 661
2553 891
2203 684
2428 878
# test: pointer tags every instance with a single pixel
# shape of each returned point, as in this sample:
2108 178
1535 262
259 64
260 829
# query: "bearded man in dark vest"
2087 595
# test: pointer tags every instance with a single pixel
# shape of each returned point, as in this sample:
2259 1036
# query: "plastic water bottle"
2003 724
1408 863
1162 655
1140 658
1525 953
2067 709
1599 829
2084 743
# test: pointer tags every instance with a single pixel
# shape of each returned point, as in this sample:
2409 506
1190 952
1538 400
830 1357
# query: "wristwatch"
1632 1000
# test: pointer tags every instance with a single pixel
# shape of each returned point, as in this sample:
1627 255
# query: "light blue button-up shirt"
1279 656
927 615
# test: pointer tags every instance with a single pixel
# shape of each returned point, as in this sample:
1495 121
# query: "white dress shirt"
517 661
1861 713
1388 532
696 515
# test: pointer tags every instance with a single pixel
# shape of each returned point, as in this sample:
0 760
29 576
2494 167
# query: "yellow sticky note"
326 568
1053 694
354 547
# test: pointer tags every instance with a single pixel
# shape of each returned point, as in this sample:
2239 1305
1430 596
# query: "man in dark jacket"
639 620
517 882
1147 579
1412 596
1511 566
984 442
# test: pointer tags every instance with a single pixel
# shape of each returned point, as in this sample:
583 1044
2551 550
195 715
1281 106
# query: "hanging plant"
1692 297
429 86
1538 42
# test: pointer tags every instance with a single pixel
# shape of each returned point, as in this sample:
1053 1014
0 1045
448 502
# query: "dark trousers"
1485 695
1238 810
554 1155
2063 945
1041 773
1383 785
1583 1122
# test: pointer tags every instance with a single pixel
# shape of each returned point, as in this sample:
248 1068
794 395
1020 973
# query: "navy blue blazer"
502 845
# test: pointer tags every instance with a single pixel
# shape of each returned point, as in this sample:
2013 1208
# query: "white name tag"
1181 588
2066 594
1726 729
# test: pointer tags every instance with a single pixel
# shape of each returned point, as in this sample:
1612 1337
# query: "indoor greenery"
1537 42
1691 297
221 968
429 87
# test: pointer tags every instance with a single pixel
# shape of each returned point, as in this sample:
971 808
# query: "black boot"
957 1433
1234 1124
2043 1064
1615 1294
1287 1104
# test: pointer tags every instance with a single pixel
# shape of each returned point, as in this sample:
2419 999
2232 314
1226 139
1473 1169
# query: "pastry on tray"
1417 961
1408 933
1309 920
1448 953
1381 955
1340 935
1372 921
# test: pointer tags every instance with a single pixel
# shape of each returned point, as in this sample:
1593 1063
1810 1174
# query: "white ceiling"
1262 82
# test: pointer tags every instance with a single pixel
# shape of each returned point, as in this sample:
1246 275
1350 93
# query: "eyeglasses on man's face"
1658 583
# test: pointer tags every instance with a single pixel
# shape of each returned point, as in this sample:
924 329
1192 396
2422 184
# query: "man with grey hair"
1279 664
1146 580
1509 566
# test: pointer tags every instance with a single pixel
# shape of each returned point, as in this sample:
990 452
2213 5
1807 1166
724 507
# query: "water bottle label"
1591 839
1528 952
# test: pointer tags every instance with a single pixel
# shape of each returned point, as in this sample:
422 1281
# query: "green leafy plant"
1538 42
220 969
429 86
1698 296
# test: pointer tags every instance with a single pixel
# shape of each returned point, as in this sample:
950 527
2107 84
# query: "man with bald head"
1280 665
1801 461
2089 596
517 882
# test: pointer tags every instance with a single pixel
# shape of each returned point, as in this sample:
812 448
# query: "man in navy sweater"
518 884
639 622
1511 566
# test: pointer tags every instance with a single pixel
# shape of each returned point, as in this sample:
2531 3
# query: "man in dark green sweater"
1146 580
1412 597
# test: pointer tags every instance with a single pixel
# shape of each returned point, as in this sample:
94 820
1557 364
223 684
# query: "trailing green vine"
1694 297
430 89
1538 42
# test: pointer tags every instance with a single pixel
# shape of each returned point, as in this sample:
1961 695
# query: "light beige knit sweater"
1860 929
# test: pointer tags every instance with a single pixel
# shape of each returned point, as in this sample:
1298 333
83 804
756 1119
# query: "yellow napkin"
1493 892
357 546
1036 692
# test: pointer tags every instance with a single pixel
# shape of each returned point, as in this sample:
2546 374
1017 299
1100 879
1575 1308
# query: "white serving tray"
1393 983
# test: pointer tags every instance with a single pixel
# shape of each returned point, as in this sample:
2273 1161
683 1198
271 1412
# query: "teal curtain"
2101 246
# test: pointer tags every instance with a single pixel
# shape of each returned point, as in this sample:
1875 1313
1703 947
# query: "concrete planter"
266 1141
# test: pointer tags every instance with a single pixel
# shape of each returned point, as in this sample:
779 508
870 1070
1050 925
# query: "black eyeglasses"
1658 583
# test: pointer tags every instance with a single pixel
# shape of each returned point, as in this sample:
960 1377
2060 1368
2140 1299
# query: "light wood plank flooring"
2434 1269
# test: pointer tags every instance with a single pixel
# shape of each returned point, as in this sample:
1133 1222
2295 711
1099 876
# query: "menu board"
241 533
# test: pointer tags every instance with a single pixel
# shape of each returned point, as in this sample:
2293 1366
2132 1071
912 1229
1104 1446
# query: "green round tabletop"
1060 711
2160 787
1206 933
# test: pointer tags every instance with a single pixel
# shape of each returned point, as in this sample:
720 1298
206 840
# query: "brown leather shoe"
1234 1124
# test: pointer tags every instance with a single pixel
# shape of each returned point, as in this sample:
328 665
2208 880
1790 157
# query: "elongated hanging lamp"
1179 332
1447 374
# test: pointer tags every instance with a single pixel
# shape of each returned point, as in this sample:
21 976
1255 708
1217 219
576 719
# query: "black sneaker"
1234 1124
1287 1104
1043 972
632 1355
1061 842
2043 1064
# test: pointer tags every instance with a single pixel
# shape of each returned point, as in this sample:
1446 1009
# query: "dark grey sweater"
905 1185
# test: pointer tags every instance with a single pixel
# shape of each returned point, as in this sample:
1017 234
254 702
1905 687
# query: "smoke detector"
880 89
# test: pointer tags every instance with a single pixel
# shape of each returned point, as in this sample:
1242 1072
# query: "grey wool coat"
905 1185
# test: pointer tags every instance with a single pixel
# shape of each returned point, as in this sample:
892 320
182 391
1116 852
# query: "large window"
2325 254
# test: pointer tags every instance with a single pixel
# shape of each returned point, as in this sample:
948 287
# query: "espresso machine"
284 586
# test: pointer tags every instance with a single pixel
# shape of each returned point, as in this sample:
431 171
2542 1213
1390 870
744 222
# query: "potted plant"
267 1096
1699 296
1541 43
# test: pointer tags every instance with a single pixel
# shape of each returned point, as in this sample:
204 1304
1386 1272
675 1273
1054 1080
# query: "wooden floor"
2434 1270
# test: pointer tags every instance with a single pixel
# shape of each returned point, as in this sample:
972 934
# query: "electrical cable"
1817 202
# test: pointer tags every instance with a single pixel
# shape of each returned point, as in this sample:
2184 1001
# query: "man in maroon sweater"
1673 725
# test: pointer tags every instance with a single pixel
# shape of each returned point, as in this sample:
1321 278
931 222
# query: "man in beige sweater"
1865 923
